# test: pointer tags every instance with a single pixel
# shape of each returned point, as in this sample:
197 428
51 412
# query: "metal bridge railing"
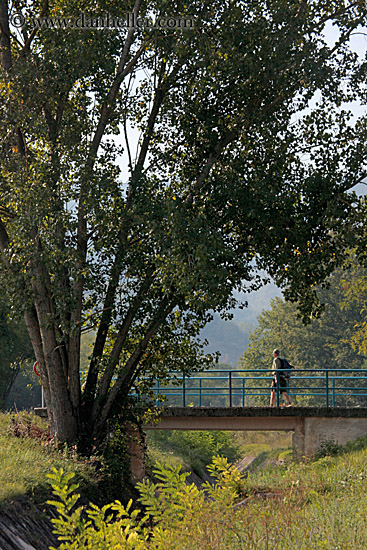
229 388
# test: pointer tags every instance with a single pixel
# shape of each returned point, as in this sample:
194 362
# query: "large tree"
232 172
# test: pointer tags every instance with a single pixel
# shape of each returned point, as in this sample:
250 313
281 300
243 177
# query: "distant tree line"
332 341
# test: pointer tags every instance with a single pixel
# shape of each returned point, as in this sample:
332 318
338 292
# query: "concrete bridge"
311 426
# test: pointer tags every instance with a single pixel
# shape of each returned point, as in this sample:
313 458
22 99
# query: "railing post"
200 392
333 392
278 382
183 390
157 392
243 391
327 386
230 387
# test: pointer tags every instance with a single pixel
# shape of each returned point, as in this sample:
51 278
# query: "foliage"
167 503
257 448
318 504
86 348
355 298
328 447
111 526
115 462
226 179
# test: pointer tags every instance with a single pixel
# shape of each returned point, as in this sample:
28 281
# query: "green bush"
328 447
172 508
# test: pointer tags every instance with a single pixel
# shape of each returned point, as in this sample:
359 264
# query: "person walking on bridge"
278 373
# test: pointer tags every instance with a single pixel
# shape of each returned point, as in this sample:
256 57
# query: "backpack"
286 366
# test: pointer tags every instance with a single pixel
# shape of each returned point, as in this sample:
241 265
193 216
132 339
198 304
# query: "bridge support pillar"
298 438
311 433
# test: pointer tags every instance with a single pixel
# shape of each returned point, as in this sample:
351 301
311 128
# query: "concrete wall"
341 430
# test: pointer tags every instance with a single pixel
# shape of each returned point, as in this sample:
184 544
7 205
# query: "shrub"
172 508
328 447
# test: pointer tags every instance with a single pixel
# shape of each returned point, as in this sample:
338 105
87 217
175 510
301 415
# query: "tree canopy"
232 172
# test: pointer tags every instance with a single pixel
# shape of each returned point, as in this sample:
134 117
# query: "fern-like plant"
177 515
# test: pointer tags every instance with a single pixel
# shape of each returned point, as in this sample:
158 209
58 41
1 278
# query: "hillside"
26 457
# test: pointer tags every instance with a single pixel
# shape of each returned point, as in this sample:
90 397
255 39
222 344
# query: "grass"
291 505
320 504
296 506
192 450
25 461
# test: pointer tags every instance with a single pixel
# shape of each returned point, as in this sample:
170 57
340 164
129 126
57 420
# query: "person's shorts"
283 388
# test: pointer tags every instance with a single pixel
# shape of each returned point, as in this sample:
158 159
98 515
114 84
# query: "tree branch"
123 68
122 335
91 383
213 157
164 309
158 98
4 211
125 128
29 40
324 20
116 268
302 8
4 237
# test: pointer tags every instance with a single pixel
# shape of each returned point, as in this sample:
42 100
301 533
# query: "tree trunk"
64 422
